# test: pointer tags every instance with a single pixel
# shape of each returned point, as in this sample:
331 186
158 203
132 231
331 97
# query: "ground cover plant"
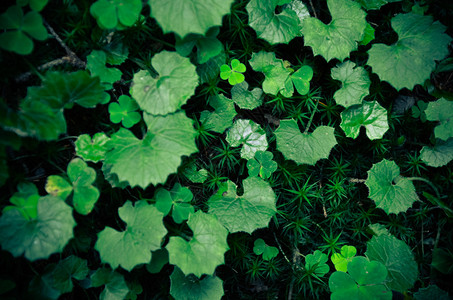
244 149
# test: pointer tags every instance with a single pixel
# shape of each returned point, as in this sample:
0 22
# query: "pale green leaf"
40 237
246 99
247 212
248 134
204 251
441 111
222 116
412 58
92 149
439 155
157 155
397 257
390 191
274 28
355 84
190 287
304 148
340 36
129 248
370 115
174 85
58 186
184 17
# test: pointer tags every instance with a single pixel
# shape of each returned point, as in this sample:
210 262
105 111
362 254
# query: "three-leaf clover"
116 13
36 5
81 179
25 201
177 201
301 79
125 111
262 164
316 265
233 74
20 30
261 248
96 61
341 260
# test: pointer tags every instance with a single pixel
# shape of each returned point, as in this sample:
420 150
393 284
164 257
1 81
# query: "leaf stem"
426 181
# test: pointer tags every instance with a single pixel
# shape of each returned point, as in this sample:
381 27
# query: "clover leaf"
262 164
190 287
115 287
390 191
117 14
250 135
247 212
397 257
177 201
233 74
439 155
441 111
413 57
96 61
204 251
371 115
195 16
124 111
150 160
222 116
133 246
72 267
364 280
40 237
207 46
36 5
244 98
341 260
25 201
316 263
355 84
273 27
301 79
92 149
174 85
304 148
81 177
268 252
20 30
340 36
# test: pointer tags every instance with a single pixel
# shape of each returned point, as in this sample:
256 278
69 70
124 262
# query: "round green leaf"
92 149
246 99
124 111
85 194
355 84
439 155
96 61
301 79
190 287
390 191
144 233
222 116
247 212
174 85
250 135
442 111
40 237
58 186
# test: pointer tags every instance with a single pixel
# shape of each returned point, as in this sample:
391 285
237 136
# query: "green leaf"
340 36
273 27
262 165
443 260
20 30
85 194
36 5
371 115
369 35
195 16
250 135
124 111
58 186
174 85
378 229
112 178
397 257
364 281
341 260
25 201
439 155
355 84
246 99
374 4
96 61
72 267
301 79
233 74
205 250
157 155
48 233
195 176
115 285
92 149
112 14
210 70
177 200
222 116
412 58
316 263
441 111
207 46
304 148
390 191
431 292
159 259
133 246
276 75
190 287
247 212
